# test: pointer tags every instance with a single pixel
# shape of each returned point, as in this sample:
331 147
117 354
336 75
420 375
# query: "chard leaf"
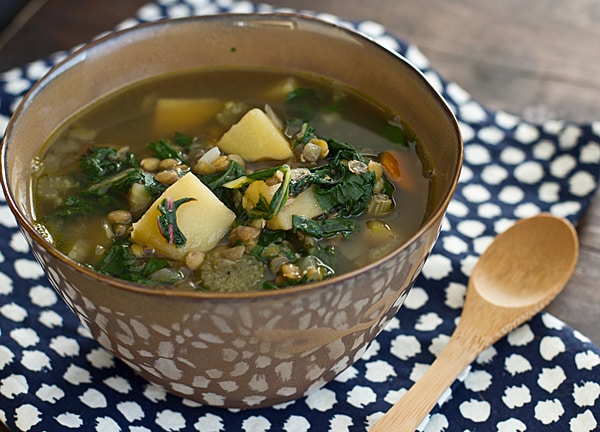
183 141
100 162
268 210
306 134
325 254
349 197
245 180
302 104
109 173
75 205
343 150
273 246
121 263
163 149
337 188
266 173
120 182
217 183
262 209
167 220
325 228
153 187
217 180
153 265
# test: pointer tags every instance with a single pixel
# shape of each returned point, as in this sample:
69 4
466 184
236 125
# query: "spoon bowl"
527 265
522 271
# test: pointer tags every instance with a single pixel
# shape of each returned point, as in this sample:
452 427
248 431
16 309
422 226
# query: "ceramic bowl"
248 349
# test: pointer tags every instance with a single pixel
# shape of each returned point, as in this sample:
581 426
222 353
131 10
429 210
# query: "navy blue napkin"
55 377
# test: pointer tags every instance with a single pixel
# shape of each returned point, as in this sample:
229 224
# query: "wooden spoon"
524 269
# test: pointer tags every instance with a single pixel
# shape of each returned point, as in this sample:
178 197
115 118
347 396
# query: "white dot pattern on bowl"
54 375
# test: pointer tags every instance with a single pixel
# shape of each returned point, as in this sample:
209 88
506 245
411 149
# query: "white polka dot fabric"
542 376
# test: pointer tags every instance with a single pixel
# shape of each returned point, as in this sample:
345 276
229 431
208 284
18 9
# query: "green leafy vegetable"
349 197
153 187
120 262
325 228
273 243
326 254
269 286
108 175
343 150
100 162
167 221
337 188
245 180
263 208
118 182
314 261
110 190
268 210
268 237
183 141
304 104
216 183
75 205
154 264
163 149
306 134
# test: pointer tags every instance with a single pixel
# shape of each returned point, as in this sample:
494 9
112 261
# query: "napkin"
544 374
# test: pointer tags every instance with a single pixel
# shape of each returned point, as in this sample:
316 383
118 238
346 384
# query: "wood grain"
536 59
495 305
533 59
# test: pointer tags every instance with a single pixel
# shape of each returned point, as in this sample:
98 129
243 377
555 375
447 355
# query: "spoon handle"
420 399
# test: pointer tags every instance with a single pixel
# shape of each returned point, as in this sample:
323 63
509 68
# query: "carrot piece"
392 164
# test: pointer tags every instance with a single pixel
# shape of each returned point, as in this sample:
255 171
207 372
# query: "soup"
231 180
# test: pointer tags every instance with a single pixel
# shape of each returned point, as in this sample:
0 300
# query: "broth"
104 186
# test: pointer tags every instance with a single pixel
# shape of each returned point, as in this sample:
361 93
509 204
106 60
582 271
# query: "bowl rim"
24 224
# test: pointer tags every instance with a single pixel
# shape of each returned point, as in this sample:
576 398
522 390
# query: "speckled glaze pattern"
239 352
249 349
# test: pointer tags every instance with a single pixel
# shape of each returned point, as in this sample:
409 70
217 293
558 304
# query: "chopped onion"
273 117
210 156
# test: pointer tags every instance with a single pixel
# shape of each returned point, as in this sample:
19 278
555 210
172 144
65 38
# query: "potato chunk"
255 137
203 221
305 204
255 190
279 90
183 115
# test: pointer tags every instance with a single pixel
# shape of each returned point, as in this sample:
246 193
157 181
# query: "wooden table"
536 59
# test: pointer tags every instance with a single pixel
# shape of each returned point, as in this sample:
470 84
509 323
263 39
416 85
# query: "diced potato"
281 89
255 190
139 198
255 137
305 204
183 115
203 221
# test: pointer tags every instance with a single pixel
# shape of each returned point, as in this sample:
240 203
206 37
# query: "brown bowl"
246 349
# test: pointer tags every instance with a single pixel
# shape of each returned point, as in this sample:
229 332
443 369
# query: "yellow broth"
129 121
